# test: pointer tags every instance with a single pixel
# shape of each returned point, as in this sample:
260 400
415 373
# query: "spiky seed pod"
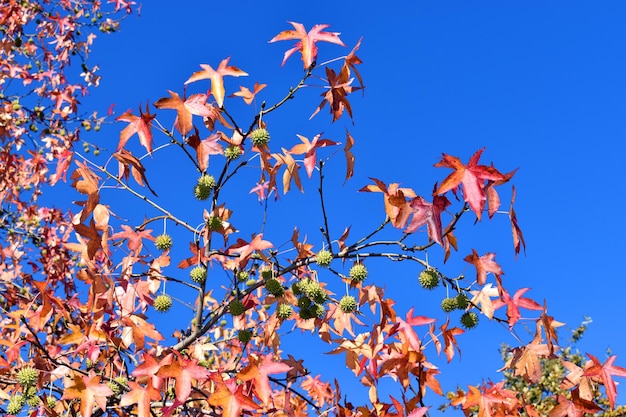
429 279
243 275
250 282
27 376
358 272
315 292
304 302
306 314
448 304
284 311
204 363
52 402
163 303
232 152
215 223
198 274
347 304
115 384
296 288
33 401
462 301
203 187
274 287
318 310
318 295
237 308
16 403
324 258
163 242
469 319
267 272
259 137
244 335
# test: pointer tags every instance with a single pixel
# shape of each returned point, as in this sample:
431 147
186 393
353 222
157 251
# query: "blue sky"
540 85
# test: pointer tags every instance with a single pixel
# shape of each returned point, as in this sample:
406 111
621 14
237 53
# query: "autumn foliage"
83 288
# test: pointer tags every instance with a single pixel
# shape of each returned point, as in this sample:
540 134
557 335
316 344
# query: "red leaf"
217 78
472 176
89 391
230 396
247 95
518 237
259 371
309 148
194 105
306 41
514 304
428 214
141 396
605 372
338 88
133 237
205 147
484 264
137 124
349 156
183 371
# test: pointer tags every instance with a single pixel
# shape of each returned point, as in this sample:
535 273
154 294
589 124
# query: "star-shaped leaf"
306 41
472 176
217 78
193 105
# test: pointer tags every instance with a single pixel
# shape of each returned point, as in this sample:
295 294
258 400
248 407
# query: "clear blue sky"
541 85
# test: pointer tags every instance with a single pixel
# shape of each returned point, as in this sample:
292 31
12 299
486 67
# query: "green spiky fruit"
304 302
296 288
52 402
305 314
347 304
324 258
267 273
448 304
237 308
115 384
244 335
274 287
163 303
33 401
318 310
16 403
27 376
203 188
198 274
469 319
429 279
315 292
232 152
462 301
284 311
243 275
260 137
215 223
358 272
163 242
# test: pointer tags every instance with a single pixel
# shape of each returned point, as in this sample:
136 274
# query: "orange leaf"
247 95
89 391
137 124
141 396
230 396
306 41
217 78
194 105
